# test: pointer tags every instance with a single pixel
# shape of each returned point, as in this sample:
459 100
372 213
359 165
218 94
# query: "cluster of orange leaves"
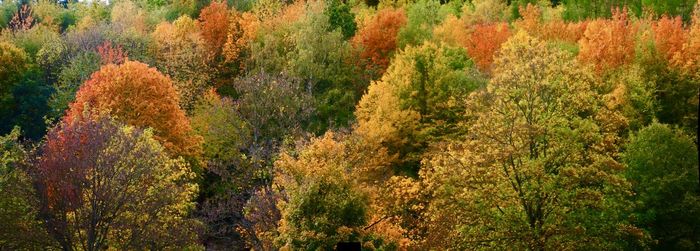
241 31
214 24
557 29
687 58
669 36
110 54
484 41
128 92
376 40
608 43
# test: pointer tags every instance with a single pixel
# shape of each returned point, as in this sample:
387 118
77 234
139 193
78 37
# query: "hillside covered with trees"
395 124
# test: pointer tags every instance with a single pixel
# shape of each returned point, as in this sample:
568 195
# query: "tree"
214 23
20 228
663 168
418 100
105 185
669 36
323 204
306 49
537 171
73 74
273 105
232 173
13 65
242 31
376 40
484 42
607 44
340 17
139 96
181 54
422 16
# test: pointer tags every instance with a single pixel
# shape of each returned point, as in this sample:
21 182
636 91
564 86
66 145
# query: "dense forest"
385 124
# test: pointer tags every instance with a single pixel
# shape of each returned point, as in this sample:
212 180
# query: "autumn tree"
114 89
105 185
241 32
484 42
376 40
663 169
214 23
323 204
418 100
537 170
547 24
181 54
607 44
669 36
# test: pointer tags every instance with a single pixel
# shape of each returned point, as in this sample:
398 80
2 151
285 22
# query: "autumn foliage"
608 43
376 40
484 41
140 96
214 24
533 22
111 54
688 59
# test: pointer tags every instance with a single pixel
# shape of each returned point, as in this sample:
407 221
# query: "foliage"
181 54
608 44
231 174
242 30
18 207
340 17
101 185
274 105
214 23
422 17
323 205
669 36
306 49
663 167
419 100
13 64
140 96
484 42
535 172
376 40
72 75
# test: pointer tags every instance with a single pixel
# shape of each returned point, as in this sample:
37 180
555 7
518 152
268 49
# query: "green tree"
340 17
309 49
19 227
423 16
663 168
13 65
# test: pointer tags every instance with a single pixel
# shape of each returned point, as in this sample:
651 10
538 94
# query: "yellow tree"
324 199
537 171
181 53
419 99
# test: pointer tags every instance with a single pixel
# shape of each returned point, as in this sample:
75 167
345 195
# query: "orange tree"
143 97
